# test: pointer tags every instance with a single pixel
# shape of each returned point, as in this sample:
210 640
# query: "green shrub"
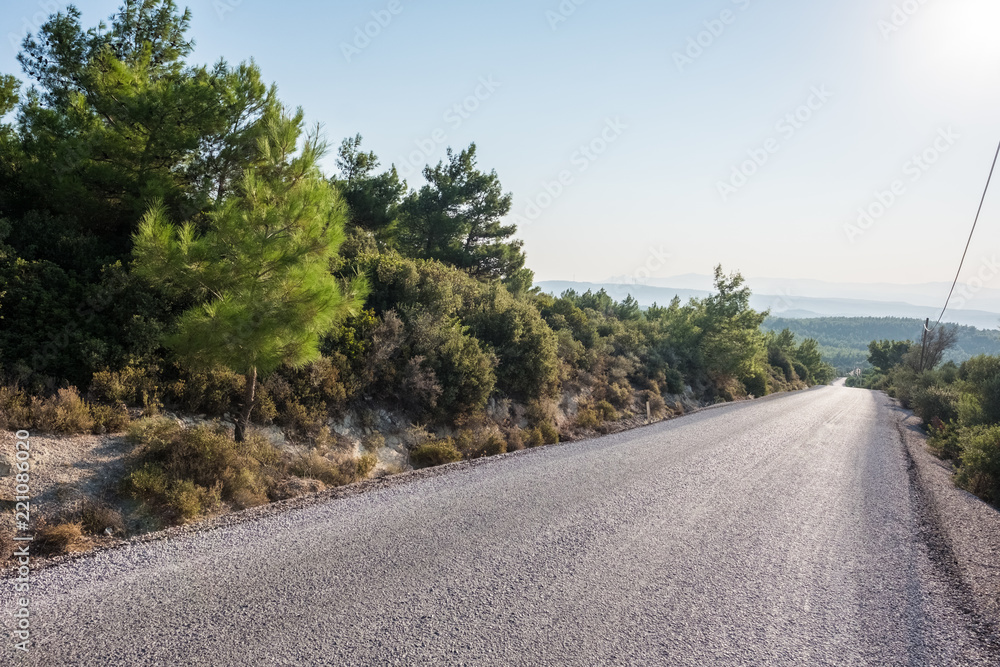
212 392
65 413
979 471
550 434
618 395
247 488
728 389
778 359
303 400
935 403
366 465
478 443
949 373
373 442
131 385
540 411
606 411
982 374
586 417
187 500
902 382
528 365
436 453
535 437
156 433
303 421
673 381
756 383
109 419
970 412
945 439
148 482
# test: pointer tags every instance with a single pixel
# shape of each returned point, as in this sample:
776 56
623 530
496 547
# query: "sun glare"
951 45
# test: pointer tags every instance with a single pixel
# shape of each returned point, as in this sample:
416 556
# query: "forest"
170 243
844 340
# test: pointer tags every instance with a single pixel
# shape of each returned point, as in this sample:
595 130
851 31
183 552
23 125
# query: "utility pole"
923 344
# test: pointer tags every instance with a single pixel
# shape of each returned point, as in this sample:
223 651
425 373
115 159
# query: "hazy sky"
741 132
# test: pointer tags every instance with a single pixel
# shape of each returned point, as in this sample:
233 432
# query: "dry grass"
97 518
15 411
183 473
333 469
65 413
57 539
7 544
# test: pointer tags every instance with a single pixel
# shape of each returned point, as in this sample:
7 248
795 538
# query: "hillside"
844 340
784 302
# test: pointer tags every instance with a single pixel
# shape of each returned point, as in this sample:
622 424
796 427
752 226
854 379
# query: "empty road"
777 532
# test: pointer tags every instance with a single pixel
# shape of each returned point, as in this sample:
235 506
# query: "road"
783 531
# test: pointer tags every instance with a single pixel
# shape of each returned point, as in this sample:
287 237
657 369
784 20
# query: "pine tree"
457 218
373 199
261 270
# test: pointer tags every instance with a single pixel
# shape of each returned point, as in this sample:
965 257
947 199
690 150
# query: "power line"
961 264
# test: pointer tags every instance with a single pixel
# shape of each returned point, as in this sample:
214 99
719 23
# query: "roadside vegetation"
959 404
843 341
170 247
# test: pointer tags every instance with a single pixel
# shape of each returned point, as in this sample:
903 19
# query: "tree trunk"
249 400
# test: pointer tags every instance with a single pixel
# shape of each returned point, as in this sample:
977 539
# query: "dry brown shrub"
57 539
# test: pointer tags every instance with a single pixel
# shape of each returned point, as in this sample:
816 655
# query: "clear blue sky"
881 94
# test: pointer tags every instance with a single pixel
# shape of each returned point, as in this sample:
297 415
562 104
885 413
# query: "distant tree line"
844 340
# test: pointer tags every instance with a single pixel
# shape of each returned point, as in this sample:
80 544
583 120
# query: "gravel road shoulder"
967 539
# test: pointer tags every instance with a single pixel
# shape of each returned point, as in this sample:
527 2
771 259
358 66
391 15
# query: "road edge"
961 531
341 492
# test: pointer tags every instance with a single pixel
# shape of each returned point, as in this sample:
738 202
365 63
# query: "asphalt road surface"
778 532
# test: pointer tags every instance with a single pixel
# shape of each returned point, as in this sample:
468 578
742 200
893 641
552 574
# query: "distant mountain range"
805 299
